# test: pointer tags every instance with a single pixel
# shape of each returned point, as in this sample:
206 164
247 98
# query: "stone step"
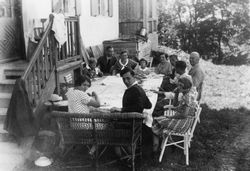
5 100
6 86
3 112
4 135
13 73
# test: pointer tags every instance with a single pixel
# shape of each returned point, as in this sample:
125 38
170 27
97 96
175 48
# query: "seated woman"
173 59
183 107
79 102
142 69
123 62
92 71
164 67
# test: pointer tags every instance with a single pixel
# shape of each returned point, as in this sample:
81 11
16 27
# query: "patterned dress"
77 103
164 125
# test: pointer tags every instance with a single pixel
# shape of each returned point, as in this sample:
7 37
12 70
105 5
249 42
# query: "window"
101 7
68 7
5 8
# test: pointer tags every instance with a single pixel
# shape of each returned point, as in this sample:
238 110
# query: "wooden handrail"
48 57
41 67
38 49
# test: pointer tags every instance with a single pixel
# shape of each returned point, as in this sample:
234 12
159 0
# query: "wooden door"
10 30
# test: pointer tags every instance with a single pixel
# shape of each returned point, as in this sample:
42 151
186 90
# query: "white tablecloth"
111 89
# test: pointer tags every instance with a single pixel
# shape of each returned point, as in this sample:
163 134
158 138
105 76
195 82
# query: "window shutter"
102 5
78 7
94 8
110 8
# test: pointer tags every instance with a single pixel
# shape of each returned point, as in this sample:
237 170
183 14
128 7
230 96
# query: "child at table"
184 108
92 71
142 69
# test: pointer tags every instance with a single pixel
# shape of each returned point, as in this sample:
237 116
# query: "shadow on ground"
213 137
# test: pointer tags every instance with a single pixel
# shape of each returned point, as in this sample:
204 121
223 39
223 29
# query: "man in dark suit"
134 98
107 61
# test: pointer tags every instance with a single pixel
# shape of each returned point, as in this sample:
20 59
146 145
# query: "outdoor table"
110 90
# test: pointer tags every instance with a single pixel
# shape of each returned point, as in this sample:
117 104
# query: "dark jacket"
105 65
135 100
20 121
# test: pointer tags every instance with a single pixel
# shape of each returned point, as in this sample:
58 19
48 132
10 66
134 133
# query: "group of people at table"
178 84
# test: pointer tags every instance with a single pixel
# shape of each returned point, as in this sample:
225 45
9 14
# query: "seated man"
134 98
168 85
123 62
92 71
107 61
196 73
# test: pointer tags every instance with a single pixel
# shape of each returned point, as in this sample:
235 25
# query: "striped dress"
78 103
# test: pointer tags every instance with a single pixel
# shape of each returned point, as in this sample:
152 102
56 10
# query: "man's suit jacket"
105 65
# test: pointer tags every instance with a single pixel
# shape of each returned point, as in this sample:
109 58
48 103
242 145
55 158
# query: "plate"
43 161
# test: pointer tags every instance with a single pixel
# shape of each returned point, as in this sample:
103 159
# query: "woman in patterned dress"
79 102
184 109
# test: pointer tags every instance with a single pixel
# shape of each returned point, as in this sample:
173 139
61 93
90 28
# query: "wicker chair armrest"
99 115
168 107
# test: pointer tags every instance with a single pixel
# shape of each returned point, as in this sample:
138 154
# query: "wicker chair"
184 131
117 129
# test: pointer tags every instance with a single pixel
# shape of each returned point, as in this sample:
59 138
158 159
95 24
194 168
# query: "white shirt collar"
133 84
123 65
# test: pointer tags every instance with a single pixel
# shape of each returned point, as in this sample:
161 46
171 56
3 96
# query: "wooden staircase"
9 73
41 77
11 154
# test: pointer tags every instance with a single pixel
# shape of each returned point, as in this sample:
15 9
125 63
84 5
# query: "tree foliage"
215 28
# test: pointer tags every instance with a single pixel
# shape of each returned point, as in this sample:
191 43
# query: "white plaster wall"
95 30
34 9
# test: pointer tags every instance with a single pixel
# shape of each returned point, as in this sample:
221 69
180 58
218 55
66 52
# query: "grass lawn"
213 147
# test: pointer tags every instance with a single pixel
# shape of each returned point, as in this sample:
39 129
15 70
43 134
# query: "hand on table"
115 109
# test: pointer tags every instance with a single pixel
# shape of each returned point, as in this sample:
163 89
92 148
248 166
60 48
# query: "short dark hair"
181 65
165 54
173 56
126 70
123 51
109 47
81 79
142 59
92 60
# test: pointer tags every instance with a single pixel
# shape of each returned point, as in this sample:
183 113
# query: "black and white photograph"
124 85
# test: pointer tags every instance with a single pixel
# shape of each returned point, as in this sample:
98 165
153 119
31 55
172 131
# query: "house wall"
95 30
